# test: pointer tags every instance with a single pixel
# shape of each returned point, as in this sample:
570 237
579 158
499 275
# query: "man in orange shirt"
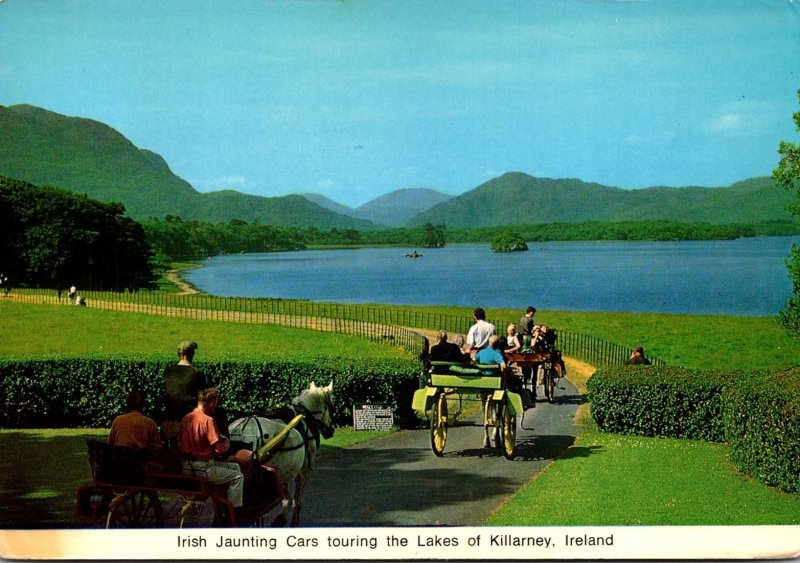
133 429
199 441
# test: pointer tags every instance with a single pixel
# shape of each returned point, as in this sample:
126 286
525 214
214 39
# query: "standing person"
479 333
525 328
182 382
199 441
134 429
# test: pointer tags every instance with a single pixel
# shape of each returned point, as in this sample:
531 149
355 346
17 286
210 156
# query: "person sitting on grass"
637 357
200 442
134 429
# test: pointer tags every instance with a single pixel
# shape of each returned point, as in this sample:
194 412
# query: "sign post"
372 417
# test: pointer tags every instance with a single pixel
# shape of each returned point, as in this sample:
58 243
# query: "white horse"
293 458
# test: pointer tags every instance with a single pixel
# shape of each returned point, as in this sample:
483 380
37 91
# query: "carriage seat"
126 465
493 368
440 366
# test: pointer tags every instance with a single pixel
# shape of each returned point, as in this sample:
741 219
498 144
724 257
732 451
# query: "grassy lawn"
614 480
80 330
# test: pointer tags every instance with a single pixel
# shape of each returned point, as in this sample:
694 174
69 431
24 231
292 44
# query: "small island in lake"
508 242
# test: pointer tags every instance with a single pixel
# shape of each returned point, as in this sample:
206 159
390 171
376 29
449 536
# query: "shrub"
762 426
659 401
90 391
757 413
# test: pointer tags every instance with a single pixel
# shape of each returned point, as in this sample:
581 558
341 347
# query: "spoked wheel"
508 431
549 383
439 424
136 509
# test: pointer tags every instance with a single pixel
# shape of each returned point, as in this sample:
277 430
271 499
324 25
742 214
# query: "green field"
602 479
82 330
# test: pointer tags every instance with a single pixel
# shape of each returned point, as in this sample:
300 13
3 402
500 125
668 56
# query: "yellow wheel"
508 432
439 424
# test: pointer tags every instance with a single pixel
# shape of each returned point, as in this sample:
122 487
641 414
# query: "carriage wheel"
439 424
136 509
549 383
552 374
508 432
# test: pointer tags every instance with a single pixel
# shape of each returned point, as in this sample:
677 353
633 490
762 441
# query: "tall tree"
51 237
787 175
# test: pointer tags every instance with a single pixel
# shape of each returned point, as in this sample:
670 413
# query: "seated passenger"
491 355
512 343
200 441
444 351
134 429
537 339
461 342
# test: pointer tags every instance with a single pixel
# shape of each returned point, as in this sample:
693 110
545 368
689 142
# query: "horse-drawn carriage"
500 393
131 487
131 490
541 362
445 380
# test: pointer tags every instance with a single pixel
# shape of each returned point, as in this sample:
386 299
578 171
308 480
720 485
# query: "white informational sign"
372 417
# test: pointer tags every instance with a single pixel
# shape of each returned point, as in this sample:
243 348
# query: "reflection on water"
739 277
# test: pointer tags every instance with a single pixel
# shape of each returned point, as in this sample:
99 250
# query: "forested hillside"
53 238
516 198
86 156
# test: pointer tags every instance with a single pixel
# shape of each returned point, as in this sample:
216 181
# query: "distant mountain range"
86 156
515 198
394 209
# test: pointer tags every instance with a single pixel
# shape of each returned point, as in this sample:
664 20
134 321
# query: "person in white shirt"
479 333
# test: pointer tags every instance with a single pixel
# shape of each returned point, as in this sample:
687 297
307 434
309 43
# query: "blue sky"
353 99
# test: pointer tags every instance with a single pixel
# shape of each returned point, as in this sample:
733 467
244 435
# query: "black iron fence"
389 324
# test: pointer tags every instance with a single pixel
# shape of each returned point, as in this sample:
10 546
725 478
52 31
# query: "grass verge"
614 480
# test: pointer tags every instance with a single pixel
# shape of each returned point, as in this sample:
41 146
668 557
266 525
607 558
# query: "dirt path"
185 289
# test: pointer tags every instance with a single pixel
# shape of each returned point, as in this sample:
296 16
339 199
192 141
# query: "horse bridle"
316 417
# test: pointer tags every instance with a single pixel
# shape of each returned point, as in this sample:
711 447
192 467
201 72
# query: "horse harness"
296 416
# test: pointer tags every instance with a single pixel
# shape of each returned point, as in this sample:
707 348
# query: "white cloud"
740 117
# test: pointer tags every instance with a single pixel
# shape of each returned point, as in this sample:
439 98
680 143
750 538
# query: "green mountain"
86 156
515 198
328 203
396 208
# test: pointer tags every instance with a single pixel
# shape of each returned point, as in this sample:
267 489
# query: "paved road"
397 481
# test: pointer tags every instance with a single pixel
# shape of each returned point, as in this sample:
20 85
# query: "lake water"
738 277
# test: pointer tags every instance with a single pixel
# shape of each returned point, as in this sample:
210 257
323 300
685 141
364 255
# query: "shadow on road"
380 484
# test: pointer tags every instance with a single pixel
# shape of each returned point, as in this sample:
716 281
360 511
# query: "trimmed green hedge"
66 392
757 413
762 423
